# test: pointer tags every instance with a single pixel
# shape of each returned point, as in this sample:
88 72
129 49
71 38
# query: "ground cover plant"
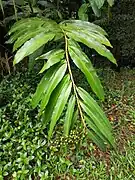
24 149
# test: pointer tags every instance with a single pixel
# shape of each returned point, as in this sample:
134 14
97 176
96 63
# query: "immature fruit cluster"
72 140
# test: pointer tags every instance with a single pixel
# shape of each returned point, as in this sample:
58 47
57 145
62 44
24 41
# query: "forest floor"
24 151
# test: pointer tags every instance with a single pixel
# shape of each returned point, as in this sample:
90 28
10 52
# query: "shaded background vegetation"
119 23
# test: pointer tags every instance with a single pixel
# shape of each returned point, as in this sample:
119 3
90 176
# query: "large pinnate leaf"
58 109
53 57
93 111
84 64
55 88
52 84
32 45
69 115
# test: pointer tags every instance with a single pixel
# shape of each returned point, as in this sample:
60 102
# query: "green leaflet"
91 43
69 115
2 9
98 122
58 109
32 45
53 57
30 23
74 119
26 36
110 2
46 117
82 13
103 129
33 56
51 26
94 106
43 85
99 3
55 53
83 25
16 35
95 129
97 140
83 63
96 7
52 83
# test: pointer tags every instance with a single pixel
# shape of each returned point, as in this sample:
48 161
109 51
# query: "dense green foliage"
121 31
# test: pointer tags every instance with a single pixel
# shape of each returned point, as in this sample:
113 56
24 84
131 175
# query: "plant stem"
2 9
15 10
74 86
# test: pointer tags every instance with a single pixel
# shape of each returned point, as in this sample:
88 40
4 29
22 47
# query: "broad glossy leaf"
82 25
52 85
43 85
58 109
94 106
69 115
53 57
98 122
84 64
92 43
46 117
32 45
